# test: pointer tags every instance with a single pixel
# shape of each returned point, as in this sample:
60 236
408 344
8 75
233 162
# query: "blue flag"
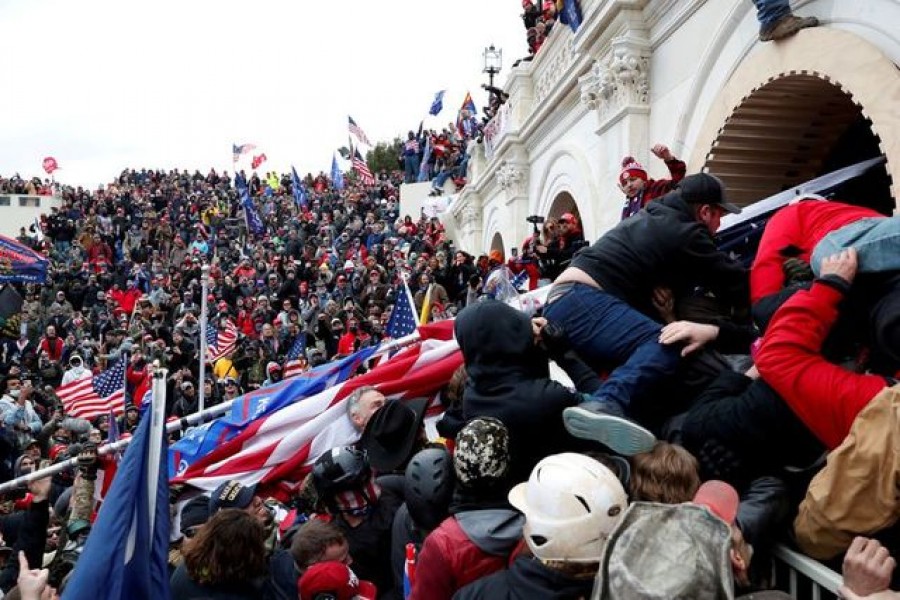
571 14
437 105
337 178
297 189
23 265
240 182
127 552
200 441
254 221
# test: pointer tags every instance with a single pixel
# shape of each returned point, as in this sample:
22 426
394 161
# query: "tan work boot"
787 27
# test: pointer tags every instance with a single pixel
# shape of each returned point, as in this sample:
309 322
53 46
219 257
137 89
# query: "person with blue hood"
507 356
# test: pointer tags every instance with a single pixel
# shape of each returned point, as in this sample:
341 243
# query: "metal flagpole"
204 309
179 425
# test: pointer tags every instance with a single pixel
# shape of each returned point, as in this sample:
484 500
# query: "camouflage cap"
482 452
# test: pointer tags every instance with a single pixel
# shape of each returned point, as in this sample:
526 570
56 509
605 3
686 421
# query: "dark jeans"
605 330
769 12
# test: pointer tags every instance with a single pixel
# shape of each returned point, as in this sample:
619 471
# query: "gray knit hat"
482 452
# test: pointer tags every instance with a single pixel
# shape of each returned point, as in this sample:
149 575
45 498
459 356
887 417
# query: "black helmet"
339 470
429 487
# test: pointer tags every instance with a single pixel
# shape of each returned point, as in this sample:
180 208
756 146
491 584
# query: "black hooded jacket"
527 578
509 378
662 245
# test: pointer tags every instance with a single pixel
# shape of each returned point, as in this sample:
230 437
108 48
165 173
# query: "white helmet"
571 504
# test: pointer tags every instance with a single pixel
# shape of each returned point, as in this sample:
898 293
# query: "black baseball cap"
703 188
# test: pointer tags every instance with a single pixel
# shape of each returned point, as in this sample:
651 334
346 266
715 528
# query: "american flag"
292 366
97 395
220 343
237 151
403 316
357 131
360 166
278 450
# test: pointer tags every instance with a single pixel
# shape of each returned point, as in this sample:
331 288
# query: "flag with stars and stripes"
220 342
362 169
96 395
357 131
237 151
292 366
403 316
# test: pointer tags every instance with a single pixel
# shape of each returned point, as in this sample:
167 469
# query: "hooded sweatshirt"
509 379
527 578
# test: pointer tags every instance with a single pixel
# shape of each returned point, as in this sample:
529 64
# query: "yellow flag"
426 306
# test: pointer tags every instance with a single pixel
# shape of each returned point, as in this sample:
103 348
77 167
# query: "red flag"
50 165
258 160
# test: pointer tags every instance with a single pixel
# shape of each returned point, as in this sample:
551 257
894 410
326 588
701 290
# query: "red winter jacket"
449 560
802 225
824 396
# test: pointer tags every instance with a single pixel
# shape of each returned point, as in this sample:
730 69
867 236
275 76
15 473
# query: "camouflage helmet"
482 452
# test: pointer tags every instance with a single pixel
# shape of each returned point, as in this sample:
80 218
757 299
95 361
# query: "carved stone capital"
621 79
512 178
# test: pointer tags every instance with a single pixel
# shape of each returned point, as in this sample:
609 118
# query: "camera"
535 219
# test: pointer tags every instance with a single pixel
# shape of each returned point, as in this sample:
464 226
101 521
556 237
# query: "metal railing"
803 577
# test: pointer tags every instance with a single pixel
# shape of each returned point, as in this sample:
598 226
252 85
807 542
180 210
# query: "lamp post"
493 62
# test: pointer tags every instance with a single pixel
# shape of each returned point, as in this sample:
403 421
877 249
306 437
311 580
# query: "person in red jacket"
127 298
637 186
857 416
483 531
825 396
51 345
793 232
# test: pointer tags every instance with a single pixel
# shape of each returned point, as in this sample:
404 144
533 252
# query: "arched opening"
792 129
497 243
563 203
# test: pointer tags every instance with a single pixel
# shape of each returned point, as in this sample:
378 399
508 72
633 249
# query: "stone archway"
563 203
792 129
821 60
497 243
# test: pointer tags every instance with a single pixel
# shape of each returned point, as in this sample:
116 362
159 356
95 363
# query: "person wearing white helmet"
571 504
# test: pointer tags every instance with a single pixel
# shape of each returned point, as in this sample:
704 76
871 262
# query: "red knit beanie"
631 168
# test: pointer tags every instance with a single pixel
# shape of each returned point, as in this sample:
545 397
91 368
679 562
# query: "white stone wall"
640 72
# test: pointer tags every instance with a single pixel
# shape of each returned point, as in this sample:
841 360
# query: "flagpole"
171 427
204 308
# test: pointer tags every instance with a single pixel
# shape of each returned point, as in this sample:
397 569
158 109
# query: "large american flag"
96 395
360 166
403 315
292 366
357 131
220 342
277 451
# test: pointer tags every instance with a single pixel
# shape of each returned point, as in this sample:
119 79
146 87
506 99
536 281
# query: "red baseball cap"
334 578
720 498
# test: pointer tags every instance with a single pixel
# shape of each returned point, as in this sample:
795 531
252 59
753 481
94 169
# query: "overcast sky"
102 85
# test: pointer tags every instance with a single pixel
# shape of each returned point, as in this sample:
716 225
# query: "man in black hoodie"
602 302
509 379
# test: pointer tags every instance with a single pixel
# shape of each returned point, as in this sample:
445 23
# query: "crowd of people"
709 411
29 187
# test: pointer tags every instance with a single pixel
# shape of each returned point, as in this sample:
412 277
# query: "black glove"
796 271
87 461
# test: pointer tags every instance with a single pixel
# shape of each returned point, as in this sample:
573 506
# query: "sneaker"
616 433
787 27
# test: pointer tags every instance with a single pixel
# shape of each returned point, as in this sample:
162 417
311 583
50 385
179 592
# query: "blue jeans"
769 12
411 168
877 243
603 329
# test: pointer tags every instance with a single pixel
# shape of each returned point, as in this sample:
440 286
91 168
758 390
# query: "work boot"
786 27
606 423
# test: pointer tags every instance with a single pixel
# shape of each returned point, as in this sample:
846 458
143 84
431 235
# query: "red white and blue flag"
220 342
292 366
362 169
357 131
238 151
279 450
97 395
